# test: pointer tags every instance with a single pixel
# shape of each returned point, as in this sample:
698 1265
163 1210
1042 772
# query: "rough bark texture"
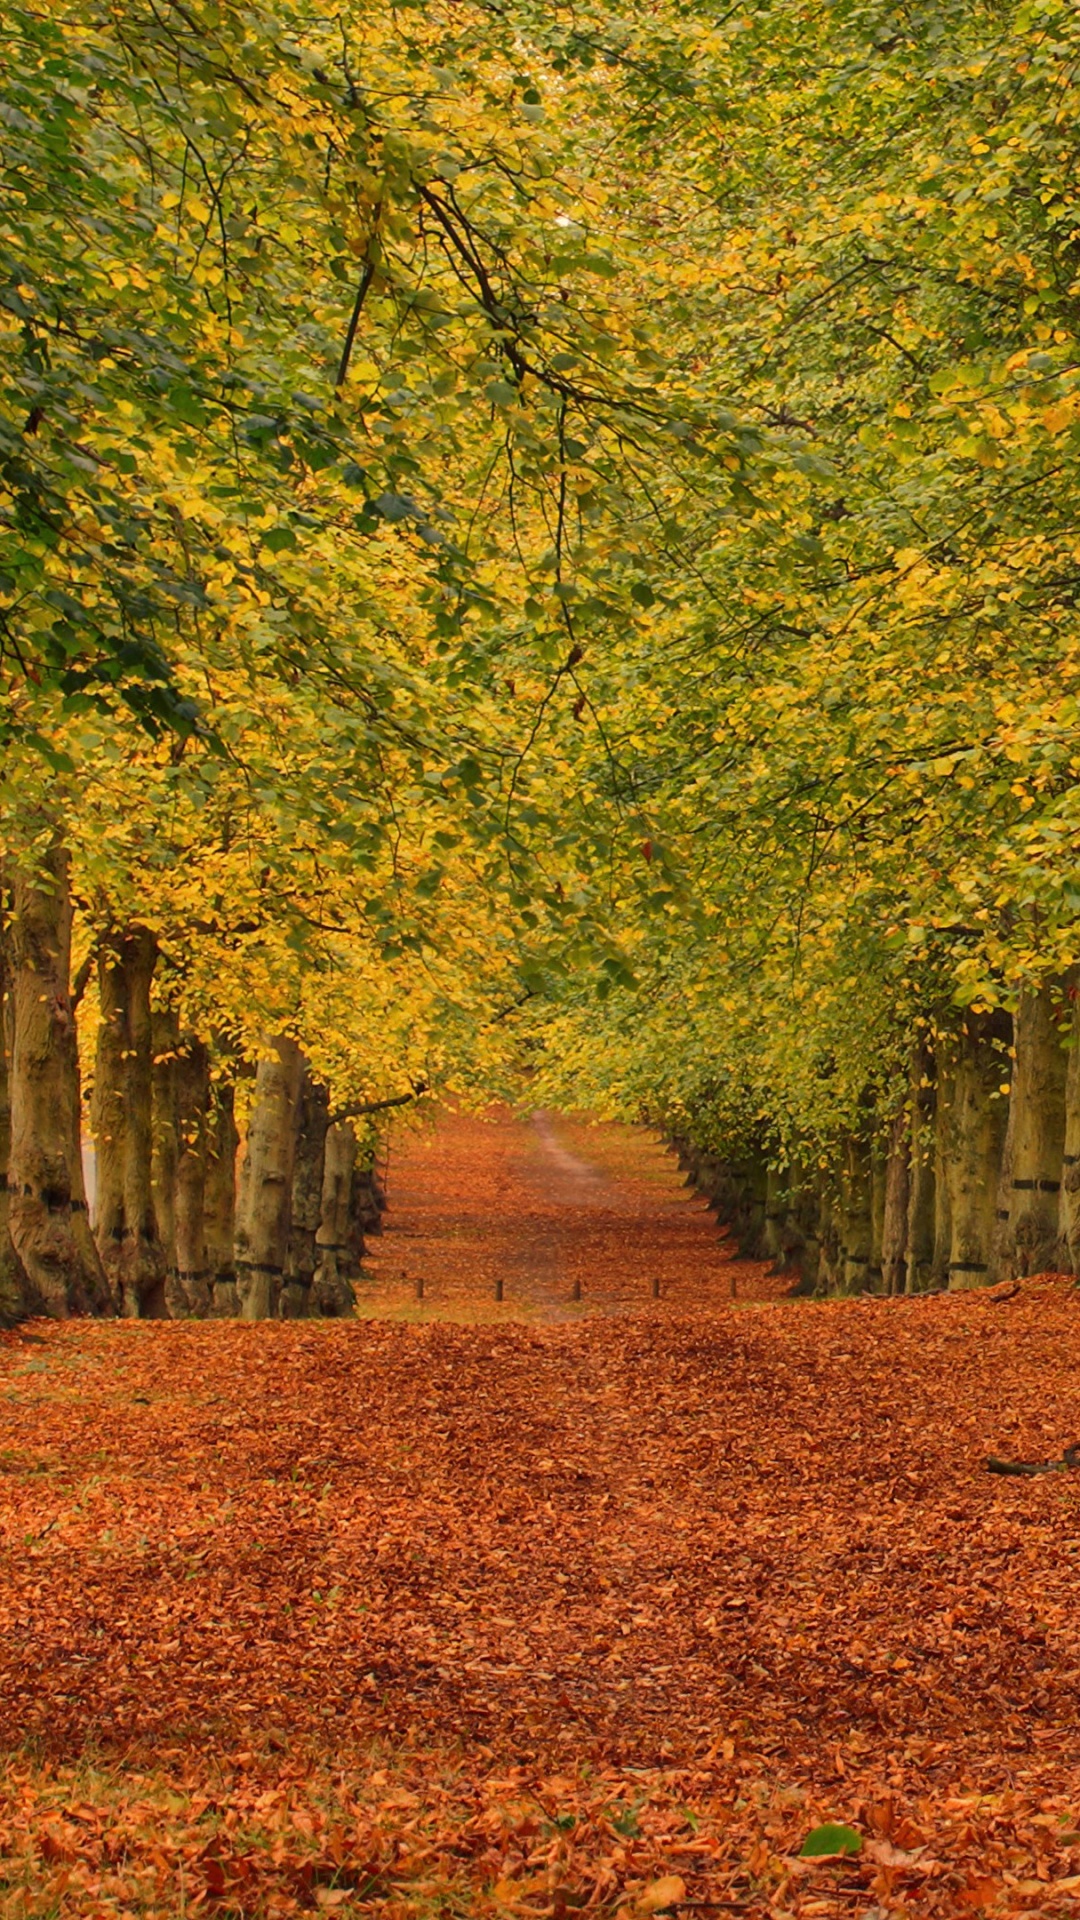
126 1228
16 1295
810 1217
307 1188
894 1222
369 1203
856 1216
877 1216
219 1200
776 1208
830 1266
921 1197
943 1104
165 1041
973 1136
338 1256
190 1286
1069 1220
1027 1241
264 1198
48 1218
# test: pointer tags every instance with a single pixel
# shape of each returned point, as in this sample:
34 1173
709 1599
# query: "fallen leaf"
662 1893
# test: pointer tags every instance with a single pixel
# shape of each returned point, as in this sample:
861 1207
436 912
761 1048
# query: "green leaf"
822 1842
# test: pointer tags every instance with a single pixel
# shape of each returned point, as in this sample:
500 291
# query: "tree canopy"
543 538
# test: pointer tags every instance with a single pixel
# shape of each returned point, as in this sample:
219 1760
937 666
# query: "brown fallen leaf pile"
526 1618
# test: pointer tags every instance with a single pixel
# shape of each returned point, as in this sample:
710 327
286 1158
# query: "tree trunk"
796 1202
338 1258
878 1174
127 1234
943 1103
894 1224
307 1188
830 1272
1069 1219
219 1202
16 1295
192 1281
856 1218
1035 1138
921 1198
809 1223
50 1226
973 1136
165 1041
369 1199
265 1194
749 1222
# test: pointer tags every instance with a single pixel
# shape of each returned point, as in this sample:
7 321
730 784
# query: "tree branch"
360 1107
366 279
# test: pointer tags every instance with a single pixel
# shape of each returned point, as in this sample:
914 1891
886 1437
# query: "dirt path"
572 1217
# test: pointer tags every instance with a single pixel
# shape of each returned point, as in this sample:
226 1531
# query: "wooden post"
733 1283
575 1291
498 1289
420 1286
656 1286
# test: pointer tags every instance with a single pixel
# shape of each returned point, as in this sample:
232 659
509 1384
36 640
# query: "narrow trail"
553 1208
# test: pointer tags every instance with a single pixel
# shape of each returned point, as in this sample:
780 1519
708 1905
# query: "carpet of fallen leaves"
547 1205
434 1617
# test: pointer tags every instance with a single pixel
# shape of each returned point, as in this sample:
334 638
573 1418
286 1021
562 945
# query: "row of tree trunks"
300 1198
174 1234
976 1180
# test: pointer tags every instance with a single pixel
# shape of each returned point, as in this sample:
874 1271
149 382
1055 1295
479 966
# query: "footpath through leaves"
535 1616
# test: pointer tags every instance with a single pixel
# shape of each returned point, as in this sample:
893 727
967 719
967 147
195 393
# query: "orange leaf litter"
531 1607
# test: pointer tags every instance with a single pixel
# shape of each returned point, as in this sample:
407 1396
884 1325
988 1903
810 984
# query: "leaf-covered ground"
405 1617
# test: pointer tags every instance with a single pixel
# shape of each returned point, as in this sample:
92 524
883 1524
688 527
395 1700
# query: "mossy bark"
306 1212
264 1198
338 1255
921 1182
165 1042
1069 1217
943 1102
878 1175
1029 1202
190 1289
48 1219
16 1295
975 1118
856 1215
219 1199
125 1223
894 1221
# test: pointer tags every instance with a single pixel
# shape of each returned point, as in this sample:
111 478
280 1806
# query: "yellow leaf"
665 1892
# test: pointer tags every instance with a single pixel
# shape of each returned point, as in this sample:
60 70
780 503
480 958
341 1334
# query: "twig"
366 279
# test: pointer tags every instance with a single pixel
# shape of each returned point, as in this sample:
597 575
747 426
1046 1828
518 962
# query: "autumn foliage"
418 1616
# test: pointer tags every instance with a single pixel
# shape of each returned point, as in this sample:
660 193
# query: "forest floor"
426 1616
